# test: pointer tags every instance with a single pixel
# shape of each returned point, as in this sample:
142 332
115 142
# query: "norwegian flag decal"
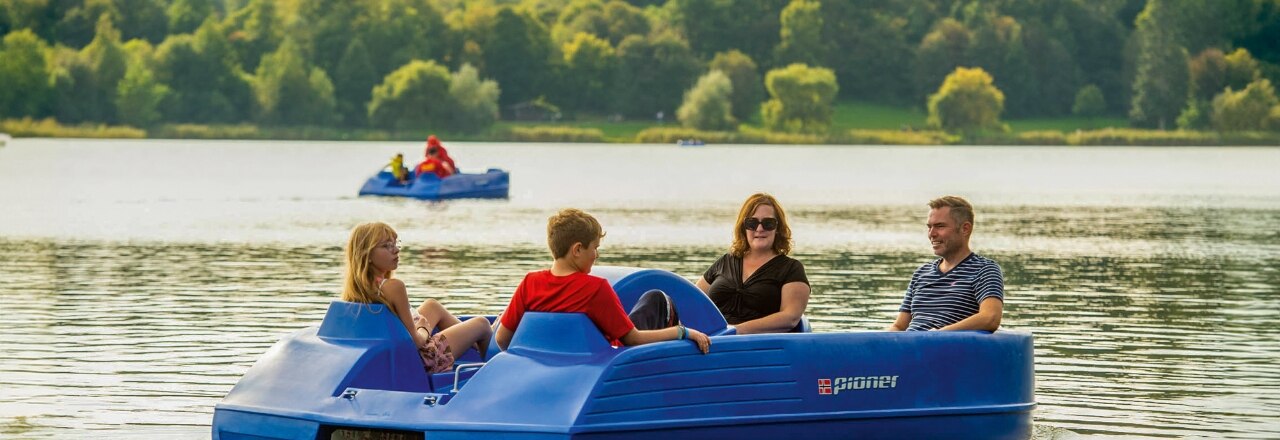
824 386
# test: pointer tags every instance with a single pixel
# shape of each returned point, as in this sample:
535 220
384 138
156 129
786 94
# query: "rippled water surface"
141 279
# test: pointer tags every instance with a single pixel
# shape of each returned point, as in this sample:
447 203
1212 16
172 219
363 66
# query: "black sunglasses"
769 223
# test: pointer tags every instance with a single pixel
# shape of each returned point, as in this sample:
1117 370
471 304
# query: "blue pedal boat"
492 184
358 375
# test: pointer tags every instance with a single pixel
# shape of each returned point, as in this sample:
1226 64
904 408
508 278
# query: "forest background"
1152 72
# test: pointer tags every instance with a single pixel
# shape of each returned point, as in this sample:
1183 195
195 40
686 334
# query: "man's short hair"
571 226
961 210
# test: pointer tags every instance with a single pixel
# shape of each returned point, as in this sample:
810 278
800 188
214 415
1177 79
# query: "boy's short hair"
571 226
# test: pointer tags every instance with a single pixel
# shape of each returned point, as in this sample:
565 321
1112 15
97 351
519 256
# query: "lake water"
140 279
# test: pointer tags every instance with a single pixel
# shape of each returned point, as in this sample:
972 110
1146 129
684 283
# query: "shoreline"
656 134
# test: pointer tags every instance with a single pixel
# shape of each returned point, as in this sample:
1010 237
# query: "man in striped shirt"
959 291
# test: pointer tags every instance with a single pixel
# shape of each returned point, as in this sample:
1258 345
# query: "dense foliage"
967 101
342 62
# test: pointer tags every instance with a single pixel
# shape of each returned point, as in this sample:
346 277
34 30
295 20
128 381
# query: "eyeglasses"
392 246
768 223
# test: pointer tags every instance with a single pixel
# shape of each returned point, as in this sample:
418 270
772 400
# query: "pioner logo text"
829 387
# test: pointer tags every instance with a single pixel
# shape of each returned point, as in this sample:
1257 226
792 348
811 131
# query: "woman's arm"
704 286
396 294
795 299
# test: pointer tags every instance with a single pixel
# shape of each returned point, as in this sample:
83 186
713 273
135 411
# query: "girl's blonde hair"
358 283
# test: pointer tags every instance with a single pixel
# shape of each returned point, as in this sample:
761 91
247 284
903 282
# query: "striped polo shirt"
936 299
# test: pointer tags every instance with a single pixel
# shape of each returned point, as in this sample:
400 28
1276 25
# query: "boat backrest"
560 333
392 361
695 309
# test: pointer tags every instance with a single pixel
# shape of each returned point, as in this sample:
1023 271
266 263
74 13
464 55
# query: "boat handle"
458 370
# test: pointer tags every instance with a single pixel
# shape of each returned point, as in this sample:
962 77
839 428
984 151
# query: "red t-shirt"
433 165
575 293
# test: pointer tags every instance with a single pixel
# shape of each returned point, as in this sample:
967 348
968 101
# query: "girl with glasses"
372 256
756 286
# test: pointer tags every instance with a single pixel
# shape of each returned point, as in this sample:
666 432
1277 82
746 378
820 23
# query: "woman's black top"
760 295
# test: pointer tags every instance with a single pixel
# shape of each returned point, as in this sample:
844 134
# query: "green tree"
1196 115
590 63
1208 71
77 21
1089 102
653 73
801 99
475 101
25 75
967 101
290 92
941 51
185 16
707 106
1245 110
801 34
138 96
397 32
353 83
711 26
412 97
748 87
206 84
876 61
612 20
1241 69
107 61
517 53
144 19
1162 80
254 31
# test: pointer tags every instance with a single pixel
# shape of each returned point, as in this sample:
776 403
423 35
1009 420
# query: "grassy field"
846 116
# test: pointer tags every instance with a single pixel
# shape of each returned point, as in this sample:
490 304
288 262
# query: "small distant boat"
358 375
690 142
492 184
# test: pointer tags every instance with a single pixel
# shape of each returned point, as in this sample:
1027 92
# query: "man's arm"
900 324
987 318
795 298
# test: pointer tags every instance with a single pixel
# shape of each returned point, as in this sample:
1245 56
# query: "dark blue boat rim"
492 184
560 379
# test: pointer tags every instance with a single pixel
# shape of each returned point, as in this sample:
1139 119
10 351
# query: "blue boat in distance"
492 184
358 375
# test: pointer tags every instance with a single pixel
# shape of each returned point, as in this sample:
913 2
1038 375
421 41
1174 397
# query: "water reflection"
1153 286
153 334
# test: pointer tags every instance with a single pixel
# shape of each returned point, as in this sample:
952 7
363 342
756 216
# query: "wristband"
684 332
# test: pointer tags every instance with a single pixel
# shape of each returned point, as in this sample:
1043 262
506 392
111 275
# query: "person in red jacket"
434 163
434 142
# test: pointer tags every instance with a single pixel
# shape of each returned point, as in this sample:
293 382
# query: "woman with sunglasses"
372 256
756 286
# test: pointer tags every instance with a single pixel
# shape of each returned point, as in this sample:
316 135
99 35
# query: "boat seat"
695 309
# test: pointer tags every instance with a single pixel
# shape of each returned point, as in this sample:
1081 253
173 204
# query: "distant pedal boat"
358 375
492 184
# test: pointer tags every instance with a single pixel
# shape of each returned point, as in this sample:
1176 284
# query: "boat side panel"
494 183
1002 426
787 377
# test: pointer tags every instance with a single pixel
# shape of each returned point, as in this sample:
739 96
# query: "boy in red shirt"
574 238
434 164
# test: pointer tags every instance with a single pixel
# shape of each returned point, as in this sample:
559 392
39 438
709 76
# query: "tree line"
460 65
